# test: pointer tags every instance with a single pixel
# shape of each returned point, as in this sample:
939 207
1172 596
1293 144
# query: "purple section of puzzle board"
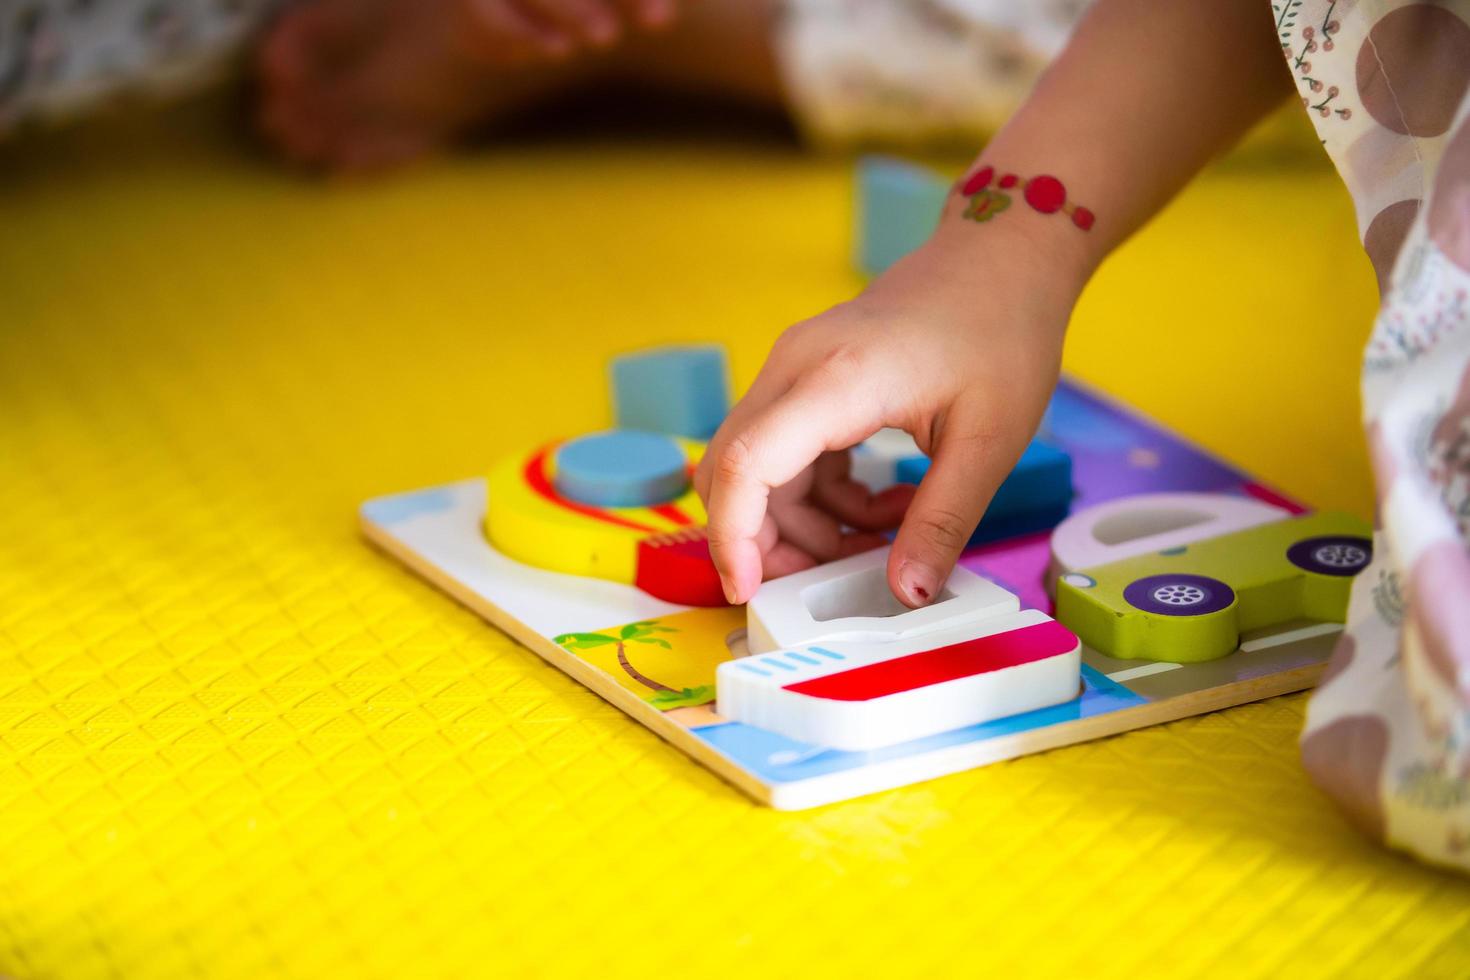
1115 453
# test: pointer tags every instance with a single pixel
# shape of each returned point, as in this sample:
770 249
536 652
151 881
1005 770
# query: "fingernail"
730 595
918 582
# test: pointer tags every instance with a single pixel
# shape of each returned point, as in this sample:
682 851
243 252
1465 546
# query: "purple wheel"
1179 595
1337 555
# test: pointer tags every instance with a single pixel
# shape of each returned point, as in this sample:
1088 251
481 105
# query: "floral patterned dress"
1388 734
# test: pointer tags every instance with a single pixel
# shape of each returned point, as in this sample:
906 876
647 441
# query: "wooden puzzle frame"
437 533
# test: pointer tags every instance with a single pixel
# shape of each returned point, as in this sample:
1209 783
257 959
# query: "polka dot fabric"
1388 733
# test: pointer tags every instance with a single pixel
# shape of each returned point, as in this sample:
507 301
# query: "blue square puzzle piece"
1034 497
676 390
898 207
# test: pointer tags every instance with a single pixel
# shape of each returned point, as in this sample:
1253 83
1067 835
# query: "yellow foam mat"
235 742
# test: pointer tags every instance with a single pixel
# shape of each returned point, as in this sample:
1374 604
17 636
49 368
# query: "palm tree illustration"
640 632
664 697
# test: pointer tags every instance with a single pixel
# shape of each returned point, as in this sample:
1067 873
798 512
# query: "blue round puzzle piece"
621 469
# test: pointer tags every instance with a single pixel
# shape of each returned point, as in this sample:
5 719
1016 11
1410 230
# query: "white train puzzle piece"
855 670
862 696
849 601
1131 526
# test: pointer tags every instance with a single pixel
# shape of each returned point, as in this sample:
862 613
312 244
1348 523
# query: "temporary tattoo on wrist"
1043 192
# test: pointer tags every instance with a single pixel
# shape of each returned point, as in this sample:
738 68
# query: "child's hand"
959 347
960 343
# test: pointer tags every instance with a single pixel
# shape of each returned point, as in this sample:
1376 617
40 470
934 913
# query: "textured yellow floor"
236 742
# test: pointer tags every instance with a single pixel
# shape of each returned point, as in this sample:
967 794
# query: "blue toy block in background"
898 207
1035 497
677 390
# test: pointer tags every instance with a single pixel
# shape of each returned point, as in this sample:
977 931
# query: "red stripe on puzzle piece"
965 659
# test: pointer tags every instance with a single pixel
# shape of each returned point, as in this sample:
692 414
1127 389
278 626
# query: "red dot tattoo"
977 181
1045 193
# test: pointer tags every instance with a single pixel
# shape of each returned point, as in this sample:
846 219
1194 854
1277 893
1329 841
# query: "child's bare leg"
366 84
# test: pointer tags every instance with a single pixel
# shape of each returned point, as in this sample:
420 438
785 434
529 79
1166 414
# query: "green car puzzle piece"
1192 603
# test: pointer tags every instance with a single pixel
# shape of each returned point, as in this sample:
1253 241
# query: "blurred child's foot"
360 85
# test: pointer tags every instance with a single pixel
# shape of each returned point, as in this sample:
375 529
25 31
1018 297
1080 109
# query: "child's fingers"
592 22
499 29
813 531
745 464
649 14
948 505
786 559
780 557
817 534
851 502
771 383
856 542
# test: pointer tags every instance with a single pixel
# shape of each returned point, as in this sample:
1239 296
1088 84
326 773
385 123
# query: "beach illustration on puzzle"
676 656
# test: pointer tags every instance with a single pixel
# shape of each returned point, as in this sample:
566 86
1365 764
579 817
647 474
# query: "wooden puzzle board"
437 533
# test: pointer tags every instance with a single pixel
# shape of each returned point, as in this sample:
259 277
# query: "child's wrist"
1028 249
1035 212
